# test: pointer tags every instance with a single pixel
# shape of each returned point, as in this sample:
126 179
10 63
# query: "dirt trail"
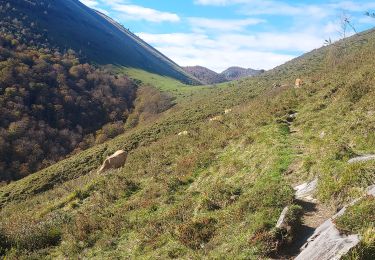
315 213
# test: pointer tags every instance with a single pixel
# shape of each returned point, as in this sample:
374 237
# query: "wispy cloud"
127 11
136 12
223 24
90 3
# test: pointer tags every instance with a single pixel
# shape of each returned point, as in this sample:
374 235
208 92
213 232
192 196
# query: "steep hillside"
217 192
205 75
68 24
234 73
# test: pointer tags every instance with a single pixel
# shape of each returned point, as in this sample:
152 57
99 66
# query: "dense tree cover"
50 104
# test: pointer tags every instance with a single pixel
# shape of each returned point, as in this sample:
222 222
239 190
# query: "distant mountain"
208 76
234 73
69 24
205 75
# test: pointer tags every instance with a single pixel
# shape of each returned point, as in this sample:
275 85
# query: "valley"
209 169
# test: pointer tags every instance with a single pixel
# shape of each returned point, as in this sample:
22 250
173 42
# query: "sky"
218 34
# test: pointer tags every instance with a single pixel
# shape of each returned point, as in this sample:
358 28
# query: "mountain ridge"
208 76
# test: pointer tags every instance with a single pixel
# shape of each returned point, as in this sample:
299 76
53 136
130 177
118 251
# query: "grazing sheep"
216 118
227 111
183 133
114 161
299 83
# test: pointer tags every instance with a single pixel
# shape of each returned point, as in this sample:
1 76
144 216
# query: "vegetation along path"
314 212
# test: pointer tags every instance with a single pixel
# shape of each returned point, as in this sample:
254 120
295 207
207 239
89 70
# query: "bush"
195 234
4 245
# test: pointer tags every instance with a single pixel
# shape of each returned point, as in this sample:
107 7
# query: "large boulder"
114 161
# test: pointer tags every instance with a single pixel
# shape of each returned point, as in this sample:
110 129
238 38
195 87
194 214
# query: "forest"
51 104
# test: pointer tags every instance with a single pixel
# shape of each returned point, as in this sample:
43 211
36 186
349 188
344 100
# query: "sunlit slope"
217 192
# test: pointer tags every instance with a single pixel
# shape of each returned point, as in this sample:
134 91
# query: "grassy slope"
216 193
177 89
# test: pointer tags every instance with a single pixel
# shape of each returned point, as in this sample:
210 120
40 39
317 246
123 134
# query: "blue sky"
249 33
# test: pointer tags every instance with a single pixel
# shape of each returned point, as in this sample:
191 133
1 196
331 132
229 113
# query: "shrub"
4 245
196 233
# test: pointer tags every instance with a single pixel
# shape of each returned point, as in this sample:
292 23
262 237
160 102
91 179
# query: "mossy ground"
217 192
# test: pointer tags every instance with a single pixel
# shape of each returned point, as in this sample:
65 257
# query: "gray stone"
327 242
306 190
281 222
363 158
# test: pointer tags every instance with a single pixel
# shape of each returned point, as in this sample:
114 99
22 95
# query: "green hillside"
217 192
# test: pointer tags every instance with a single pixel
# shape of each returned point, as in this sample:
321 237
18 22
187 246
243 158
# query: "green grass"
360 219
217 192
172 86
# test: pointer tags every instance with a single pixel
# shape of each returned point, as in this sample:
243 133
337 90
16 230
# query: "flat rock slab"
306 190
363 158
327 242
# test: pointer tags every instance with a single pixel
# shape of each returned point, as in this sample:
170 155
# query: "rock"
371 191
363 158
281 223
327 242
114 161
183 133
306 190
291 117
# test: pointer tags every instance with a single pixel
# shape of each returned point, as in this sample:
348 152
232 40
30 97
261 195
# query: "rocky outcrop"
327 242
363 158
114 161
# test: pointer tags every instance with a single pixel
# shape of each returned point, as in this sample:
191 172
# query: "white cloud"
367 20
128 11
357 6
222 24
90 3
263 50
215 2
135 12
272 7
